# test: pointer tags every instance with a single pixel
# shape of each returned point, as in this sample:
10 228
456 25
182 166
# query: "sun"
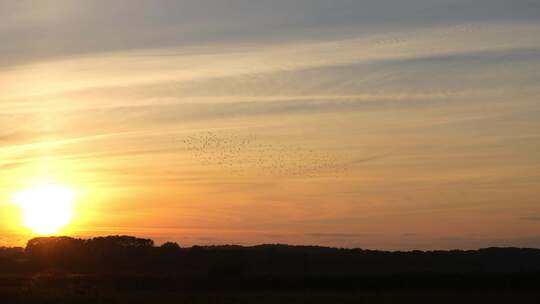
46 209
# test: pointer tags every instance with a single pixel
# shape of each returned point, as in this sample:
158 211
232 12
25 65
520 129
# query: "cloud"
7 138
531 218
356 70
340 235
72 28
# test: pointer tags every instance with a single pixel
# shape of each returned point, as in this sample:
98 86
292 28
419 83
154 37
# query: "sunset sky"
354 123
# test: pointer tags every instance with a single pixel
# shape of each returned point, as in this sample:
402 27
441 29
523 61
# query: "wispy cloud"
531 218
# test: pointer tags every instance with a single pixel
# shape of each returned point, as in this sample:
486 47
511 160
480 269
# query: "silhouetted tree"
121 241
64 252
121 254
170 246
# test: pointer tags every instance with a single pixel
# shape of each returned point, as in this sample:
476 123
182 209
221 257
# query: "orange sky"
377 135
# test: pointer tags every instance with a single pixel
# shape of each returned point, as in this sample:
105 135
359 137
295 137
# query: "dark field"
130 270
81 289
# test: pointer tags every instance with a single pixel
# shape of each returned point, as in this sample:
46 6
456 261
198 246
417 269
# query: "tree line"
132 255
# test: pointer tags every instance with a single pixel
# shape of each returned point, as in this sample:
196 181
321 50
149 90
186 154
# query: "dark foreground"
131 270
143 289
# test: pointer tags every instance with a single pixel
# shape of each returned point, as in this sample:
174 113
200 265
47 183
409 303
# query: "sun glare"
45 209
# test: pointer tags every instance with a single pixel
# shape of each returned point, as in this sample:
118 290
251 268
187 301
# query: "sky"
395 125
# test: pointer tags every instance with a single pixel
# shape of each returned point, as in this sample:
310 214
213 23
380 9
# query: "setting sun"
45 209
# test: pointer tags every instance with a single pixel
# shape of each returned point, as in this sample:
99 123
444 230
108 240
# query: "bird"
243 154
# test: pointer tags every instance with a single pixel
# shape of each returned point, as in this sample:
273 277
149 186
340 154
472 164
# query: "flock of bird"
249 155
